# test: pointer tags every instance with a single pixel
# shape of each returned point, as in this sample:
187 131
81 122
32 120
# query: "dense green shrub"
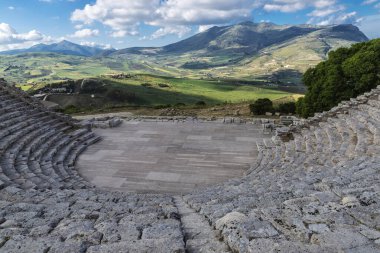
300 106
347 73
261 106
287 108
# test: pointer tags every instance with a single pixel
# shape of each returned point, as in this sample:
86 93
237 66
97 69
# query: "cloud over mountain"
124 17
11 39
85 33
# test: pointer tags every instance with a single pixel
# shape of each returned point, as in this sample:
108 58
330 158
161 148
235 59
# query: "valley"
228 64
159 92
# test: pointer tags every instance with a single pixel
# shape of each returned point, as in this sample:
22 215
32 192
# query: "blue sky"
128 23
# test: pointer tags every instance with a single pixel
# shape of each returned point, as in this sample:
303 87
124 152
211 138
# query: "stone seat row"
317 193
46 206
48 164
248 211
87 220
35 149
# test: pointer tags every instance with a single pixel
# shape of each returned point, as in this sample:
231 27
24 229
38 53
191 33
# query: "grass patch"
190 91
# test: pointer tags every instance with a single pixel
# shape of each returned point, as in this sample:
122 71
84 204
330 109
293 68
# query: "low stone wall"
104 122
225 120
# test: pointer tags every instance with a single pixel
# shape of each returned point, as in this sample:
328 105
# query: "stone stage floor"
167 157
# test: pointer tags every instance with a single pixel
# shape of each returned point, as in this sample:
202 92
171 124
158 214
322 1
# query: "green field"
45 68
149 90
163 82
190 91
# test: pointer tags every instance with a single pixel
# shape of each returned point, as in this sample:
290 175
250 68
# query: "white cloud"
296 5
324 3
94 44
177 30
293 7
326 12
370 26
85 33
121 16
8 35
171 16
204 12
125 16
11 8
124 32
368 2
203 28
342 18
330 12
10 39
79 26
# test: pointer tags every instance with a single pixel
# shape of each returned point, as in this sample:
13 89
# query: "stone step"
199 236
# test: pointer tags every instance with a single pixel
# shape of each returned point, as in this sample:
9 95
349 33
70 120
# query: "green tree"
261 106
288 108
347 73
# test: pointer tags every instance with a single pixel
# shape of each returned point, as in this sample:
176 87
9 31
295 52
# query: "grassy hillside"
148 90
247 51
210 91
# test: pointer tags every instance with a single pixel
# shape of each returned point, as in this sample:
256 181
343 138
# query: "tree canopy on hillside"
347 73
261 106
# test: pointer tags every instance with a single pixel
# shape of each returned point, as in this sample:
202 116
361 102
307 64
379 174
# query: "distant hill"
248 38
63 47
277 55
245 38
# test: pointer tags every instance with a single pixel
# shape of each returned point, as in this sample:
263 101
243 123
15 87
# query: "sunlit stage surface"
169 157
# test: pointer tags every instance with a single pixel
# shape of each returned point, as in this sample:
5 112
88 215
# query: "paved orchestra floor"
169 157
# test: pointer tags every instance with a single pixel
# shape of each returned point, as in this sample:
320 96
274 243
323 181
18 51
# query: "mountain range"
63 47
249 51
247 37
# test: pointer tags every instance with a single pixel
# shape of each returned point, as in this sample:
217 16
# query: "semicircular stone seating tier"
317 192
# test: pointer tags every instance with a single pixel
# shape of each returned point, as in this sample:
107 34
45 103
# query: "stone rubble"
316 191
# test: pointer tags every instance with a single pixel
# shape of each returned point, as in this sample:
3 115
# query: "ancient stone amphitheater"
317 192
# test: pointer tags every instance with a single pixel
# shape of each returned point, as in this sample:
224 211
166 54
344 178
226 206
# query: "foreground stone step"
198 234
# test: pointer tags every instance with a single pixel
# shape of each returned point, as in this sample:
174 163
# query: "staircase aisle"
198 234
